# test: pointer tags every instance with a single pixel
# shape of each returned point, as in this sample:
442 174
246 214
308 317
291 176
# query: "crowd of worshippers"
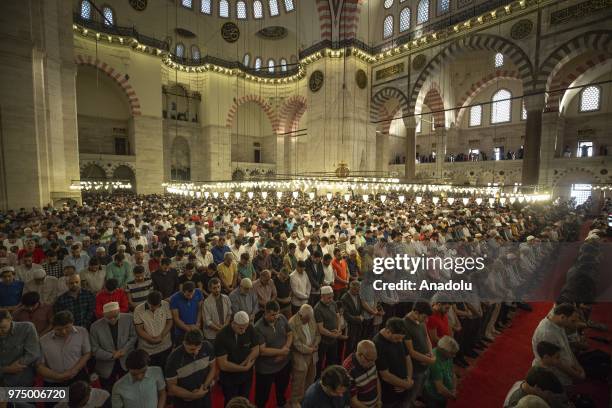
178 295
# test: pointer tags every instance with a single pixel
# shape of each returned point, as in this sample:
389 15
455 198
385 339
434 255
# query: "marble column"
534 104
410 165
149 150
553 126
440 133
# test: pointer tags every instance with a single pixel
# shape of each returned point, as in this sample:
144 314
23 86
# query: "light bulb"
215 194
512 200
198 194
491 200
418 199
521 199
279 194
250 195
295 194
401 199
237 195
466 200
226 195
450 200
365 197
206 194
264 194
479 201
383 198
435 200
347 197
329 196
311 195
502 200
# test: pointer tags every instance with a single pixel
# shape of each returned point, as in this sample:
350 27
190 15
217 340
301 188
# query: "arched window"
476 115
257 63
523 111
283 64
224 8
257 9
388 3
206 6
388 27
271 64
443 6
289 5
179 50
499 60
195 53
273 7
246 59
187 3
241 10
590 99
501 106
109 16
404 19
86 10
423 12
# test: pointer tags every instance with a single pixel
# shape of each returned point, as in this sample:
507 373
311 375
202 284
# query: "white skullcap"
39 273
241 317
530 237
326 290
7 268
122 247
100 249
110 307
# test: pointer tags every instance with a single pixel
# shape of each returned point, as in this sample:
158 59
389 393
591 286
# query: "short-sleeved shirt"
187 308
392 357
61 353
439 322
326 314
190 371
315 397
140 290
236 347
165 282
205 278
417 333
364 381
153 323
195 278
441 370
138 394
274 336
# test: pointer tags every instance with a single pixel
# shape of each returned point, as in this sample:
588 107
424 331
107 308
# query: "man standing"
306 339
419 346
244 298
236 348
264 289
272 366
10 289
20 351
228 273
79 302
327 318
190 372
361 367
139 288
153 322
46 286
65 352
353 315
112 337
119 269
142 386
393 363
216 310
300 287
331 391
77 259
94 276
186 310
165 279
314 270
34 311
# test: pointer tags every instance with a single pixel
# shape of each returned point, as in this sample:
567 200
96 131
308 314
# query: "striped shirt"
139 290
364 381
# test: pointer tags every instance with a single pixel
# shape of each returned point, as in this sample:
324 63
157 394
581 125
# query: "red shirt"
37 255
118 295
153 265
341 269
439 322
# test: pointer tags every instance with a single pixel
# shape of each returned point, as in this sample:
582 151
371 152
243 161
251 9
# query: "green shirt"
122 273
441 370
140 394
246 271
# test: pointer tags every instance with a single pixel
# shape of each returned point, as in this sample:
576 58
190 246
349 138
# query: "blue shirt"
218 253
187 308
141 394
315 397
10 295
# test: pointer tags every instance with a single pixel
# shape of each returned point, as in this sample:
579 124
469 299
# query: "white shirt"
302 255
328 274
551 332
93 281
300 288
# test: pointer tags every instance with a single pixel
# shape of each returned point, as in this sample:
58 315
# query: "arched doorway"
125 173
93 171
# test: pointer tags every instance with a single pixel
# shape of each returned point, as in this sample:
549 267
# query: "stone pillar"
534 104
149 150
410 166
382 152
217 143
440 133
551 145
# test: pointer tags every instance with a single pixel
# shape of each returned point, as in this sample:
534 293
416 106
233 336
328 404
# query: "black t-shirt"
236 347
418 334
392 357
189 370
283 289
195 278
166 283
205 278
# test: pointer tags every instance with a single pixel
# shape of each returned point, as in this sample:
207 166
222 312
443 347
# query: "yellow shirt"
227 274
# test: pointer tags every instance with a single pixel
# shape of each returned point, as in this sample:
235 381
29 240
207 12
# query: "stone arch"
379 113
124 171
290 113
565 79
475 42
600 40
433 100
180 159
267 108
118 77
91 170
477 87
